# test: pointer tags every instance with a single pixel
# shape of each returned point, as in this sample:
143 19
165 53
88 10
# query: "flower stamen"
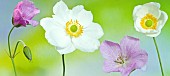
149 22
73 28
120 60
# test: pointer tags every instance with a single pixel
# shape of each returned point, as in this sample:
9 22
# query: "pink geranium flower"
125 57
24 13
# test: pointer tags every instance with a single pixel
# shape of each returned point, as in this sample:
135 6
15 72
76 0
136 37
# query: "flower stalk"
27 51
9 41
19 41
63 64
10 53
12 59
157 50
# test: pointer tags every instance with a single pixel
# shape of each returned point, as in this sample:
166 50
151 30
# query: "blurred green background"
115 16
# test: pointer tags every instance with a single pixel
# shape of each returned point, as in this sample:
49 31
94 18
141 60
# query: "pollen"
149 22
73 28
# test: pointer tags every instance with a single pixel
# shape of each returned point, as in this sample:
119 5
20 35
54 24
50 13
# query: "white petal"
153 34
155 4
61 12
86 44
76 10
85 18
58 37
49 23
135 10
94 30
70 48
60 7
138 26
154 8
149 8
162 20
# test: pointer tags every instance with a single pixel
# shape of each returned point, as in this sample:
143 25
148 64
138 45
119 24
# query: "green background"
115 17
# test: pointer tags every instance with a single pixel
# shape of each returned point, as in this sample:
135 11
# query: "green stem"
158 56
10 53
17 46
9 42
15 49
63 65
12 59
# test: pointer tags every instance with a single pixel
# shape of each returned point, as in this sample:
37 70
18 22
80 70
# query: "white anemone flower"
149 19
69 30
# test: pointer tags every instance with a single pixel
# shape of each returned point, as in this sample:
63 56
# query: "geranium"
125 57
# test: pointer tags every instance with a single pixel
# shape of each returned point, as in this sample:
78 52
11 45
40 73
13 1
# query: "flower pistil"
149 22
73 28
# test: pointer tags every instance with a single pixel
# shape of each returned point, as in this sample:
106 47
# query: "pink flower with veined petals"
125 57
24 13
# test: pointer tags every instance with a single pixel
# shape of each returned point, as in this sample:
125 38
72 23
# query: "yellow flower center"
73 28
149 22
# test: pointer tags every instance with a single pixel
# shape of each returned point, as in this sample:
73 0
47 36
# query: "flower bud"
27 53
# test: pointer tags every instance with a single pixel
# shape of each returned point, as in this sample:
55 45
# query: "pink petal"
29 10
19 5
139 58
110 66
110 50
17 19
29 14
33 22
129 44
125 71
17 15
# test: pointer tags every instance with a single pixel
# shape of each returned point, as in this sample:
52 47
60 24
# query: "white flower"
69 30
149 19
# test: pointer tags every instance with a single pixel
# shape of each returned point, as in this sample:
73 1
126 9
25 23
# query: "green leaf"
27 53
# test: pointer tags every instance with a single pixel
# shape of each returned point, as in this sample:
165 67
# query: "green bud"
27 53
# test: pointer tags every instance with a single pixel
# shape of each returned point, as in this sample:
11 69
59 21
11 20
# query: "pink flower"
24 13
125 57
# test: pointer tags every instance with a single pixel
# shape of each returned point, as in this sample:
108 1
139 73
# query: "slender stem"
63 65
9 42
17 46
10 53
158 56
15 49
12 59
